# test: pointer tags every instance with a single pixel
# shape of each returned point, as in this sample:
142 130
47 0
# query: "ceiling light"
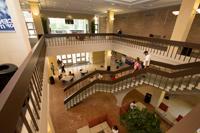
198 11
113 4
69 17
175 13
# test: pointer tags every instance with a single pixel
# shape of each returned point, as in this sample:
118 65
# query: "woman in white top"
147 59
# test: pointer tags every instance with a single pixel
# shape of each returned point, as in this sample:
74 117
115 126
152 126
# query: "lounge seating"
163 112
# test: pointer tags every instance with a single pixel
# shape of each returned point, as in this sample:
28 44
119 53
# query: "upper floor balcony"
174 68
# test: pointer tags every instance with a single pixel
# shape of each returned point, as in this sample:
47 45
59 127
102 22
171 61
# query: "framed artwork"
6 24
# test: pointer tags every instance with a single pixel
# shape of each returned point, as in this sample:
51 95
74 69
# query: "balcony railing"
23 93
181 51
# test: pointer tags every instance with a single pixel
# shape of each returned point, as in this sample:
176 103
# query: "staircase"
179 81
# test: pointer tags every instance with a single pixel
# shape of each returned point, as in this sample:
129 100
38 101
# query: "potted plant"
141 121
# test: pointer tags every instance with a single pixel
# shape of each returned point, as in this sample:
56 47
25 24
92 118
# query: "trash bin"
147 98
51 80
6 72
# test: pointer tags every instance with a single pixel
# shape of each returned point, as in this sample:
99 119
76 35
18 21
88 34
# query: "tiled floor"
68 121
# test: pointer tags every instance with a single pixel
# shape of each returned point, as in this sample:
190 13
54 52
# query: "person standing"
119 32
52 68
147 59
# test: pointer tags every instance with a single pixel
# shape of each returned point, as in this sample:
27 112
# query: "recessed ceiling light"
198 11
175 13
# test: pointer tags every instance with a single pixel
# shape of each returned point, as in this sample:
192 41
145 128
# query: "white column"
35 10
184 21
107 58
15 45
162 95
109 22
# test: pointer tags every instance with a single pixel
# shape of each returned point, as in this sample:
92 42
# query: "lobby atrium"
100 66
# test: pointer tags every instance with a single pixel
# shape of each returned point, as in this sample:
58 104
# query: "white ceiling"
101 6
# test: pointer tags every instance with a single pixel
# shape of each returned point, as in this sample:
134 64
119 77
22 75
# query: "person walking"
63 68
52 68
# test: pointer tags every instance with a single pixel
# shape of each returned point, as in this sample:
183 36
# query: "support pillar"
160 99
184 22
109 22
35 9
108 55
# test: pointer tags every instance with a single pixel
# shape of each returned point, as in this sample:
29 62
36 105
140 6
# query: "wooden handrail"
14 94
160 64
182 73
161 41
149 39
95 72
176 67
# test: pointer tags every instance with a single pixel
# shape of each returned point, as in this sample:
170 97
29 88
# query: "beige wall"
152 90
15 45
157 21
102 24
98 57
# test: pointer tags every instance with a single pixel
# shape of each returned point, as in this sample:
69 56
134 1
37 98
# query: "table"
66 78
84 71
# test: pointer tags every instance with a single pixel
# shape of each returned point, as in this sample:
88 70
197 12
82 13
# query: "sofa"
162 111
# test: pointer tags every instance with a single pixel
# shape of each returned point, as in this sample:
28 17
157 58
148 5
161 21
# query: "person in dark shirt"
119 32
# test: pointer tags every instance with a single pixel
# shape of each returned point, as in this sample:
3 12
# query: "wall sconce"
198 11
176 13
109 53
35 12
112 18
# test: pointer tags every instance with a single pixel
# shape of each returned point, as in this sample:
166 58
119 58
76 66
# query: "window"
58 57
82 54
83 59
64 61
78 59
58 26
78 55
74 58
69 56
63 56
30 24
69 61
87 57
